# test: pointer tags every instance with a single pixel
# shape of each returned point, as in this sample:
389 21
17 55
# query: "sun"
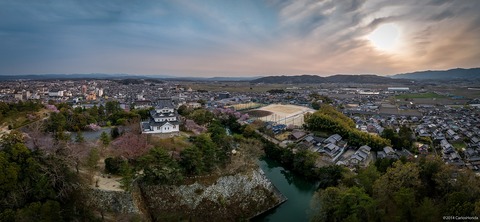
385 37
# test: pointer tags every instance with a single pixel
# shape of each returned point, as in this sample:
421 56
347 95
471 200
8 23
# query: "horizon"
237 39
167 76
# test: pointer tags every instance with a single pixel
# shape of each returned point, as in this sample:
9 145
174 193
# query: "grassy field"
420 96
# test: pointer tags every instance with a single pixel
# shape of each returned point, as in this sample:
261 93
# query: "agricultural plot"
420 96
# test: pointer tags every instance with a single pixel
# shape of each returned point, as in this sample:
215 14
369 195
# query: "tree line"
77 119
330 120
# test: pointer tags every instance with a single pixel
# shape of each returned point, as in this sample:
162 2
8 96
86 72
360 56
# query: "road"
273 140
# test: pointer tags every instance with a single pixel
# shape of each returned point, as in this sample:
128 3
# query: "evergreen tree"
105 138
79 138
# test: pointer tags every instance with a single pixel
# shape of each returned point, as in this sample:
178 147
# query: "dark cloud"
441 16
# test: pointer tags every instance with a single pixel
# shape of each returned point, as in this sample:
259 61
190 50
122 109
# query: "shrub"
115 165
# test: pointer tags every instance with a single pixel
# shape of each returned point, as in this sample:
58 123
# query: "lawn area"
177 143
429 95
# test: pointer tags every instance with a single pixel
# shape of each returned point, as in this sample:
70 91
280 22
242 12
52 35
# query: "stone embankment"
114 201
228 198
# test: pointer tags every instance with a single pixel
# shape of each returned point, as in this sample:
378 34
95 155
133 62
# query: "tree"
37 211
79 137
114 132
191 160
459 203
342 204
316 105
112 107
105 138
396 190
249 131
404 200
383 164
427 211
201 116
324 203
33 184
330 120
56 122
304 163
115 165
131 145
160 168
184 110
329 176
209 151
366 178
92 159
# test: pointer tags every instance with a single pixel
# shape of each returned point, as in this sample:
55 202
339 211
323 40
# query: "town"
438 122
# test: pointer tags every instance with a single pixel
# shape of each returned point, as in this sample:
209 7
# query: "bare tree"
131 145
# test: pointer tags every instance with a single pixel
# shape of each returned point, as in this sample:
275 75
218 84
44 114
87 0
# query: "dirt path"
106 182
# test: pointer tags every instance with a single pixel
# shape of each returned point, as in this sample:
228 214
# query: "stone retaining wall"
114 201
230 198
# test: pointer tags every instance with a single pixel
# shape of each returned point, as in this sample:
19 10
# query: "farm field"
420 96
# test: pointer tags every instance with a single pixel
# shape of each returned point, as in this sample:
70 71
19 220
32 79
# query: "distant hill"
360 79
330 79
70 76
290 79
212 79
473 73
119 77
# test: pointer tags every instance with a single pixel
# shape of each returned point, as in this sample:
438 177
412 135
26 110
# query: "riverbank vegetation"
423 189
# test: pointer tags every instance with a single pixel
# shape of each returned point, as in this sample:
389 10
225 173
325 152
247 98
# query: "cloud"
247 37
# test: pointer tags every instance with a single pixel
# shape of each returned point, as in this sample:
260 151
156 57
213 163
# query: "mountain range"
119 76
445 75
329 79
473 73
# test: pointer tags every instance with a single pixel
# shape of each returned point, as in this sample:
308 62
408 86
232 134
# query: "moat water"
92 135
298 191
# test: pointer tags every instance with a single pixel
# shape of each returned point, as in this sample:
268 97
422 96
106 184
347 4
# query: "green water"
92 135
298 191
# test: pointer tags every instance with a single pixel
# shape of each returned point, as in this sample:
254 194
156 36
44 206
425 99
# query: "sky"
237 37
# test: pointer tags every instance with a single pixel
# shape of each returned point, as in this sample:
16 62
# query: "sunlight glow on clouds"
385 37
